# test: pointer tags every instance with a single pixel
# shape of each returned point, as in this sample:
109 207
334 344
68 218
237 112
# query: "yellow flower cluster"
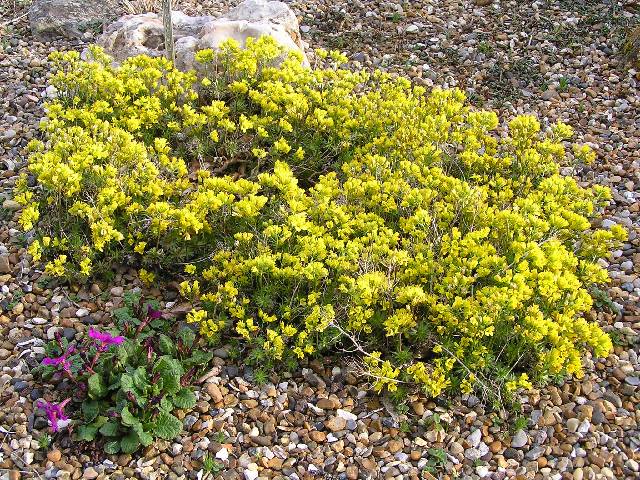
363 210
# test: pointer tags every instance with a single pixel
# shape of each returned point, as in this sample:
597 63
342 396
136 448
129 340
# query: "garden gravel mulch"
558 59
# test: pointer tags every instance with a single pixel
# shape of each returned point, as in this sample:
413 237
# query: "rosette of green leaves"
133 394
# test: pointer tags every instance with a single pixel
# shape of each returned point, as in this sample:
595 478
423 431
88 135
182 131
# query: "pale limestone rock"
143 34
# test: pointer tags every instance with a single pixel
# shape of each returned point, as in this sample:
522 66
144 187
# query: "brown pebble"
54 455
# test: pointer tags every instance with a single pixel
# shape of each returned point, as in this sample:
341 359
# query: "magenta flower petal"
105 338
61 360
152 313
96 335
55 412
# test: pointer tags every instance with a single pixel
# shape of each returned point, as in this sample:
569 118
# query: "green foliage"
220 437
520 423
133 388
260 377
44 441
437 460
211 465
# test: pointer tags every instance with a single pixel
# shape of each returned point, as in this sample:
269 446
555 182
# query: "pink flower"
106 339
61 360
55 412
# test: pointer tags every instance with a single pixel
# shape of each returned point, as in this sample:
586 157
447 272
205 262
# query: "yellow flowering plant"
305 209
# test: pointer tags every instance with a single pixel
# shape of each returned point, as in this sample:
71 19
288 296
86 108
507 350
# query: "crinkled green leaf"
87 432
167 346
100 421
127 418
140 378
97 387
184 399
187 336
126 382
112 447
170 371
166 404
90 410
145 438
198 357
130 443
110 429
167 426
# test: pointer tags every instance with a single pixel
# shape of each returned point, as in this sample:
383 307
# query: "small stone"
9 134
250 474
327 404
474 438
5 266
495 446
336 424
346 415
456 449
214 392
117 291
519 440
223 454
476 453
633 381
89 474
352 472
394 446
54 455
418 408
317 436
573 424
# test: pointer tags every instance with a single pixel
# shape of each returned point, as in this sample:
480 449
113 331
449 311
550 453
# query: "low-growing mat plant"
124 390
314 210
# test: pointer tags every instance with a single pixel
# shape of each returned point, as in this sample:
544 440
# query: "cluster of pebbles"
558 59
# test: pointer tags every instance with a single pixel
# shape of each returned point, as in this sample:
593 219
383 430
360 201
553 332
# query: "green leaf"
87 432
145 438
127 418
112 447
184 399
90 410
97 387
166 404
187 336
170 371
126 383
110 429
198 357
100 421
130 443
166 345
140 378
122 354
167 426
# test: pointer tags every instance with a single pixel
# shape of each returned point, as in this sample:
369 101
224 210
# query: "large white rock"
143 34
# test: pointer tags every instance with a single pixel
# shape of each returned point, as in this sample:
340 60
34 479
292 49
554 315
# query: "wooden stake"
168 29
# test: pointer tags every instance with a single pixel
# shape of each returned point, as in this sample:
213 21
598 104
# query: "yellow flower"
147 277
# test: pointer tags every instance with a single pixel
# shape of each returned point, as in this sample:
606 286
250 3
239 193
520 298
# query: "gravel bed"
558 59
